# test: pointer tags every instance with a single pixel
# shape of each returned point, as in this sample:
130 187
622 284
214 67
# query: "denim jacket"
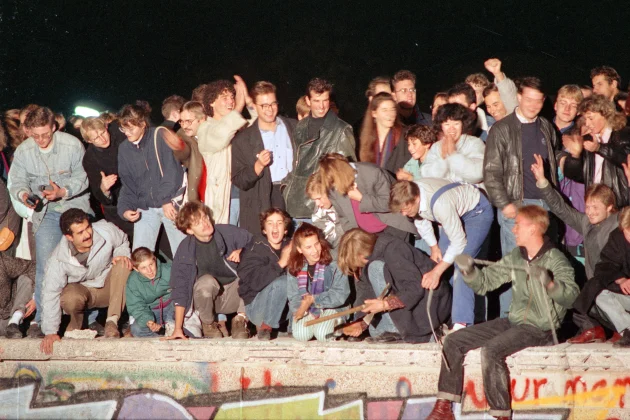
62 165
335 294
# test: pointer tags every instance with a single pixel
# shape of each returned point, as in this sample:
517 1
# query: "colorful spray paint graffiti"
132 396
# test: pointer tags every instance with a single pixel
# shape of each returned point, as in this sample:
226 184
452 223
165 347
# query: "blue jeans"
269 303
167 314
146 230
235 211
422 245
508 243
476 224
385 323
47 237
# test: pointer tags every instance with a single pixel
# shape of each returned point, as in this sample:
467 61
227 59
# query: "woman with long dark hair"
381 132
315 285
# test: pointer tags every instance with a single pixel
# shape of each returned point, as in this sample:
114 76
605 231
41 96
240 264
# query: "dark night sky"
114 52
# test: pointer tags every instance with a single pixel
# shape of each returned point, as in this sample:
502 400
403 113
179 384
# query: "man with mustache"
88 269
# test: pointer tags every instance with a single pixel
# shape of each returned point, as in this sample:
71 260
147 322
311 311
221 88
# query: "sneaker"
111 330
34 331
624 341
239 328
386 337
211 330
95 326
13 331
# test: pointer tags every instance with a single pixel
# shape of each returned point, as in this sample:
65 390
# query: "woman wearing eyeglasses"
101 165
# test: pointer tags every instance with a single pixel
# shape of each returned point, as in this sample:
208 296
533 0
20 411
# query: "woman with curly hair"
598 156
458 156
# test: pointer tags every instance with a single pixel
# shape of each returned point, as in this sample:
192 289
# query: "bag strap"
156 150
441 191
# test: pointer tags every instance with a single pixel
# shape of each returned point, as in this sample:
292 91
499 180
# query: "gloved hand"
465 264
539 274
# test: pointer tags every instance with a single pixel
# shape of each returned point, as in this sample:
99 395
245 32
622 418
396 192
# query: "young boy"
543 289
148 295
419 140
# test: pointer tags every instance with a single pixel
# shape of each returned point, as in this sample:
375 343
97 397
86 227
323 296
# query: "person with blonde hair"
376 260
359 192
324 217
598 157
544 288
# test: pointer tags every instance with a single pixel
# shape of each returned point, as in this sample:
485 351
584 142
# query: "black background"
114 52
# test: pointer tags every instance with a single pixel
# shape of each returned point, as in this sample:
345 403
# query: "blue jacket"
143 186
63 165
184 269
335 294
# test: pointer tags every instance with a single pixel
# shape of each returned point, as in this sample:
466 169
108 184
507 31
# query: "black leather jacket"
615 152
503 161
335 136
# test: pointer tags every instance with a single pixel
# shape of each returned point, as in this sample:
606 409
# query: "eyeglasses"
186 123
126 130
99 137
45 136
405 90
267 107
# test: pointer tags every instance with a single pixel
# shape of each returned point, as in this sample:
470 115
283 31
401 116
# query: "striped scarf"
316 286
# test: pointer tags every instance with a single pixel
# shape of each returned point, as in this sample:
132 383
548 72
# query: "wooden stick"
333 316
349 311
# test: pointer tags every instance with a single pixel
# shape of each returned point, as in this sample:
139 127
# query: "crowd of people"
229 211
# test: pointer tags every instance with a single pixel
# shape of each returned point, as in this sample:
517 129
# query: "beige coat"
214 137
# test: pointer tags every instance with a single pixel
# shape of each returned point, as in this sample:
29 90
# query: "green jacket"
528 306
143 294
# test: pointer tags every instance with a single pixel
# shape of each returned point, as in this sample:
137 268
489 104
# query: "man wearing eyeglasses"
262 156
404 91
47 167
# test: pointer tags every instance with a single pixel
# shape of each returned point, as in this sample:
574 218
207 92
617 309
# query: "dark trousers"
497 339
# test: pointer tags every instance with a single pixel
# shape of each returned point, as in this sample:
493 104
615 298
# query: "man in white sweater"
465 216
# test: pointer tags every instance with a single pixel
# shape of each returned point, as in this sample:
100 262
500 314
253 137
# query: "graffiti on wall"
28 395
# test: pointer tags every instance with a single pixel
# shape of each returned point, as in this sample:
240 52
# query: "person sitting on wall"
262 271
375 260
543 290
204 274
315 285
88 269
148 295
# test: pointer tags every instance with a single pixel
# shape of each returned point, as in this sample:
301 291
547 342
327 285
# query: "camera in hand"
36 201
45 188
